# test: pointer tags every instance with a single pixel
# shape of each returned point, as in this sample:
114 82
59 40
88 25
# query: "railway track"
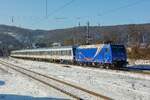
73 90
125 69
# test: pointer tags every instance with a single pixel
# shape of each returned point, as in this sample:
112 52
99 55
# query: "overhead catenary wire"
113 10
121 7
61 7
55 10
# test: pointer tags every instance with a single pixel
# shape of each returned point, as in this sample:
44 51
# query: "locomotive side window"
107 49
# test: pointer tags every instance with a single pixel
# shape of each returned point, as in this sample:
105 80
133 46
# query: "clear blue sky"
32 14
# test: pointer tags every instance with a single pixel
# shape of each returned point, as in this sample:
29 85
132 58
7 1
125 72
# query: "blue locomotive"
107 55
102 55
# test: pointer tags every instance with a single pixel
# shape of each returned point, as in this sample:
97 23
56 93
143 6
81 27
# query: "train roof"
63 48
98 45
45 49
91 46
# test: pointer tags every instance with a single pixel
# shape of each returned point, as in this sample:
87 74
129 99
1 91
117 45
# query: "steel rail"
55 79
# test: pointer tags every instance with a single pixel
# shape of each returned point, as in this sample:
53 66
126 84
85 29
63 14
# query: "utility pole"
46 5
79 24
128 39
99 25
88 34
143 38
12 20
77 39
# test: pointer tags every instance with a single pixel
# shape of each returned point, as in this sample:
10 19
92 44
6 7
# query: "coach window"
37 53
41 52
54 52
67 52
51 52
59 52
31 53
62 52
46 53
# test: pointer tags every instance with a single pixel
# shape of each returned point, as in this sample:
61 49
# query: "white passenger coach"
56 53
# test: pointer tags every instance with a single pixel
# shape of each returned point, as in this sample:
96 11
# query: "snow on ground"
139 64
15 86
120 86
